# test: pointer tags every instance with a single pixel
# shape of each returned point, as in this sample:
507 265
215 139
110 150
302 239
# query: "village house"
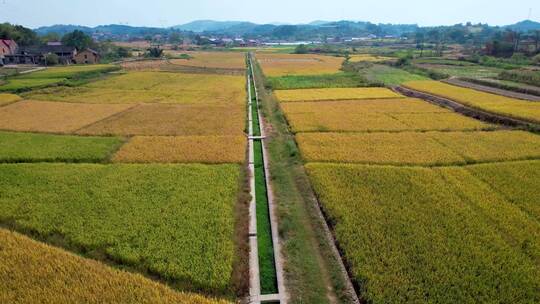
7 48
36 54
87 56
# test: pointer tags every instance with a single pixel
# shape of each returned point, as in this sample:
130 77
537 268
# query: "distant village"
12 53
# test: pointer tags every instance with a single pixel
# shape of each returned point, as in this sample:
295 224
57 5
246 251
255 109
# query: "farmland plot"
54 117
525 110
28 147
173 221
31 270
410 237
183 149
295 64
405 114
414 148
331 94
220 60
8 98
172 120
152 87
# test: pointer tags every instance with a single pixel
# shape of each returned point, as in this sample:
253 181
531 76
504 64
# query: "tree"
154 52
175 38
50 37
78 39
22 35
301 49
419 37
51 59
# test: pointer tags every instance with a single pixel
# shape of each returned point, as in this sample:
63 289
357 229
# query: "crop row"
335 94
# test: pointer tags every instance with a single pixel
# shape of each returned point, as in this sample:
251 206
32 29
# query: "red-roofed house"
7 47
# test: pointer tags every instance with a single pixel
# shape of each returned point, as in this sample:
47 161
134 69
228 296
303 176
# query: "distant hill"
61 29
525 26
200 26
112 29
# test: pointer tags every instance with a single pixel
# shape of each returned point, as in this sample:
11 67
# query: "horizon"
167 13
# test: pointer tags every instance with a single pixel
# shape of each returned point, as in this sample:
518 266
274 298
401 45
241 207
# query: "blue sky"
34 13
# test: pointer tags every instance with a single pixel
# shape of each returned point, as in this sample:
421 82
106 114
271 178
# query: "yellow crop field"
332 94
183 149
369 58
54 117
220 60
173 120
298 64
144 65
32 272
152 87
529 111
405 114
8 98
414 148
405 148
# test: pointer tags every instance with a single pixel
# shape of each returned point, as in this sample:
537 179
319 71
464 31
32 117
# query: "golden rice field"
8 98
172 120
369 58
31 270
404 114
54 117
183 149
333 94
436 235
520 109
219 60
152 87
145 65
419 148
298 64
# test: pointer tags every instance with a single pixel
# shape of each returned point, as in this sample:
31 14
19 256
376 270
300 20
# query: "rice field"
183 149
145 65
54 117
275 65
8 98
439 235
152 87
419 148
332 94
175 222
220 60
528 111
172 120
29 147
31 270
338 80
405 114
369 58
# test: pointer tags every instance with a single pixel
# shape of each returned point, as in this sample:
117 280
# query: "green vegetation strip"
174 222
267 267
440 235
29 147
339 80
255 112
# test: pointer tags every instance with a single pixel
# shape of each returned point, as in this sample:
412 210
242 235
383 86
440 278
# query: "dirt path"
483 88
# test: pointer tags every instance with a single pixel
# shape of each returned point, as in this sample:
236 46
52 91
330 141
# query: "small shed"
88 56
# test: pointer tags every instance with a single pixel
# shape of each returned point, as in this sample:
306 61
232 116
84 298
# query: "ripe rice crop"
8 98
53 117
369 58
173 221
173 120
298 64
220 60
405 114
152 87
144 65
28 147
331 94
31 271
183 149
411 235
413 148
339 80
529 111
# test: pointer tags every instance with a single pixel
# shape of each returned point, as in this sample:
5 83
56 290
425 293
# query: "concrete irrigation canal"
266 267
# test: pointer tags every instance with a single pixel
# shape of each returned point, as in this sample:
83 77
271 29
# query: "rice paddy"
220 60
331 94
529 111
8 98
293 64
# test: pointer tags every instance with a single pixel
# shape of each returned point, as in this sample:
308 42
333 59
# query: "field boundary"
493 90
469 111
